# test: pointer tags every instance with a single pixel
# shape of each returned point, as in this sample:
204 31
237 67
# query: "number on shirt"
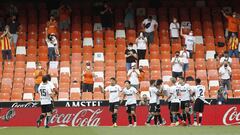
43 92
201 92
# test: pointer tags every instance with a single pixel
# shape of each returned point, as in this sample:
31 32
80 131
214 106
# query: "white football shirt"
174 91
49 43
184 92
185 55
114 92
141 43
228 59
177 67
45 90
151 27
153 95
131 95
189 41
225 73
133 76
199 91
174 29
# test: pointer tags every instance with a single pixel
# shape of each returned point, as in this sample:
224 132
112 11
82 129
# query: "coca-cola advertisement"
100 116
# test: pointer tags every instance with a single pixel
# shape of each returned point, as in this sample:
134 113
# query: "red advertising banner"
100 116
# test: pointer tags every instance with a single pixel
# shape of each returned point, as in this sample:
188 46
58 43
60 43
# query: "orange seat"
155 74
87 96
31 57
191 65
155 64
76 57
19 77
98 34
176 47
98 96
98 66
235 66
120 56
154 48
131 33
166 65
200 64
64 42
235 74
6 85
21 42
29 85
236 94
75 96
63 95
65 35
165 47
65 57
64 87
76 42
109 34
165 55
166 73
110 49
43 57
98 48
4 97
212 64
20 90
20 64
32 35
53 72
20 58
121 65
122 74
200 55
16 96
7 75
200 48
213 74
144 85
65 50
76 77
190 73
87 49
64 79
76 34
18 85
202 74
154 55
76 69
87 57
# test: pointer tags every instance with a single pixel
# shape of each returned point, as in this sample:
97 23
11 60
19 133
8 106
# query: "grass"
204 130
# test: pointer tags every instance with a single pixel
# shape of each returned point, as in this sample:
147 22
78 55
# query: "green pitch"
204 130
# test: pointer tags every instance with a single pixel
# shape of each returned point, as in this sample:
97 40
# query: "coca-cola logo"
84 117
231 117
24 105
